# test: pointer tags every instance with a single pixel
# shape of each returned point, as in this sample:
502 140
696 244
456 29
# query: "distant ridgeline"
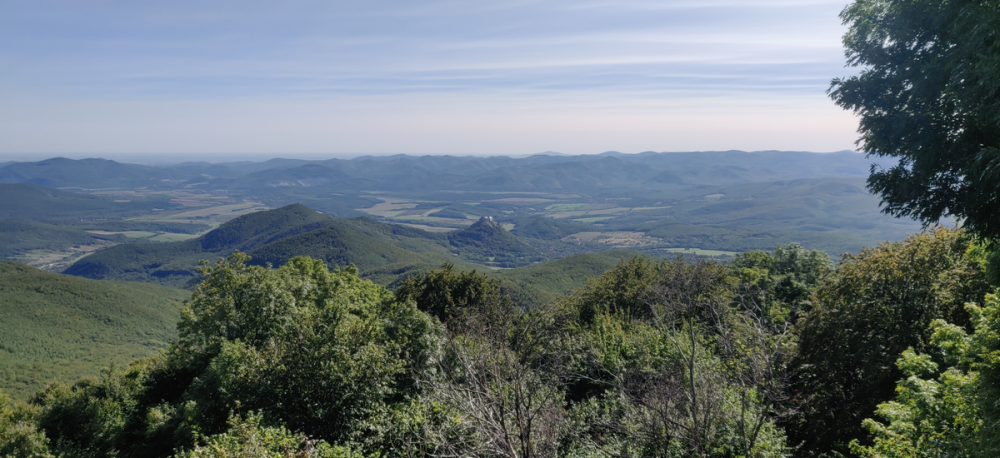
582 173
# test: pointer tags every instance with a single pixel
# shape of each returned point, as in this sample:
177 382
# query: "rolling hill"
273 236
549 280
60 327
487 242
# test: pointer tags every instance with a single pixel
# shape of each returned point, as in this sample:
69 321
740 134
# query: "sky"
228 79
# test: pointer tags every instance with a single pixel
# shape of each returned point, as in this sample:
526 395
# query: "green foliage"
325 353
341 246
665 383
489 243
789 275
876 305
19 436
446 294
249 231
247 438
59 327
927 95
946 409
624 290
547 281
541 227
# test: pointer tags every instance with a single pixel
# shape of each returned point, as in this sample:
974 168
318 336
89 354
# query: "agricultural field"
57 260
700 252
212 215
618 239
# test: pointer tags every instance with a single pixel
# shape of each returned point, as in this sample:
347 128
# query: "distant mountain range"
542 172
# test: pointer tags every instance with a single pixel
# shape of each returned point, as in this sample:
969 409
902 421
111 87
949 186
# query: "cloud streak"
641 58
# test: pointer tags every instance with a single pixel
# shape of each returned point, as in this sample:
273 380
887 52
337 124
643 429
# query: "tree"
247 438
19 436
876 305
788 276
951 411
700 372
622 290
929 95
323 353
447 294
500 377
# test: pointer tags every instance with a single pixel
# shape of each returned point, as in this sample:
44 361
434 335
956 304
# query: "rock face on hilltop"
489 243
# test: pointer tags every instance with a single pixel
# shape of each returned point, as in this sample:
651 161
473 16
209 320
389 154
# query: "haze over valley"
707 203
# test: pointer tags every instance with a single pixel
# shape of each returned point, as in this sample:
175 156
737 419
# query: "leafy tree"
681 363
248 438
622 290
19 436
946 409
447 294
876 305
500 377
787 276
929 417
928 94
320 352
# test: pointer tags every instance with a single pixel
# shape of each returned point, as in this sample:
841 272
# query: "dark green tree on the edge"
928 95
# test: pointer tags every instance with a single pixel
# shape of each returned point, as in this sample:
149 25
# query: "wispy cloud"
552 56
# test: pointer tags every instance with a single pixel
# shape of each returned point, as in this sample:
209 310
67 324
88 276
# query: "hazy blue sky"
457 77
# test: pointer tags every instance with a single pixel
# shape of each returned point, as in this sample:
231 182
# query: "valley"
708 204
541 225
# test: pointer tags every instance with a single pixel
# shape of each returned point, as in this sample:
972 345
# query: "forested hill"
60 327
486 241
386 251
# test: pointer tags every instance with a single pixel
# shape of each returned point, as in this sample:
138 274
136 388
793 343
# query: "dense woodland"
772 354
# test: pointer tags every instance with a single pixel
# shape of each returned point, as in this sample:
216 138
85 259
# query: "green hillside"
174 263
275 236
20 237
60 327
540 227
489 243
549 280
341 246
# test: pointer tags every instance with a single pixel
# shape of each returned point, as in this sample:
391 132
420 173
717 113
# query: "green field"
172 237
563 207
593 219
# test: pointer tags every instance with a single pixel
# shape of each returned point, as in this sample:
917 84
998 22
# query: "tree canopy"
927 95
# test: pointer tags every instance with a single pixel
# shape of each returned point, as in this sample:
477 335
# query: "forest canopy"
764 356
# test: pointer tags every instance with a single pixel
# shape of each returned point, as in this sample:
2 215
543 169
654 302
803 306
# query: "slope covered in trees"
60 327
487 242
273 236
